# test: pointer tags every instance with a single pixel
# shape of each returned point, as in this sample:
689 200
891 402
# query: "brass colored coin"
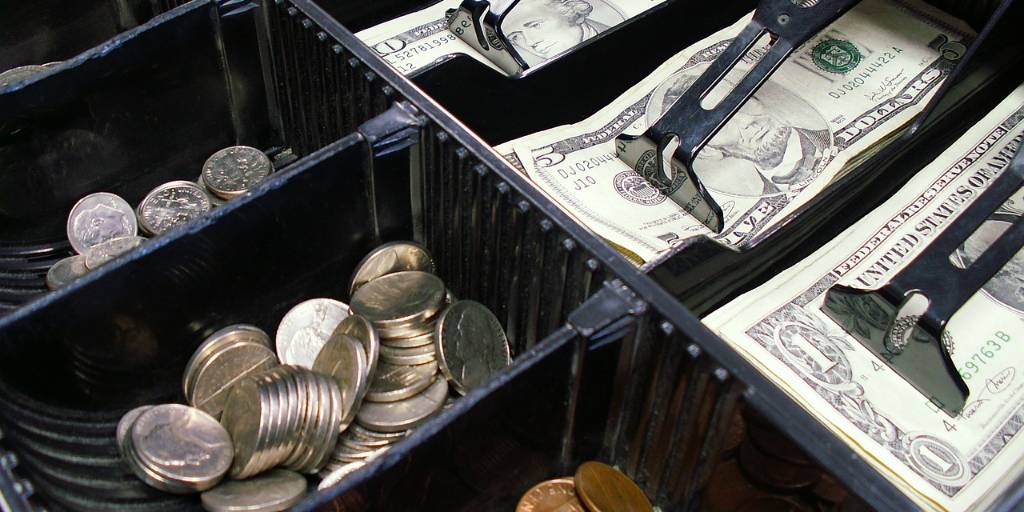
558 495
388 259
603 488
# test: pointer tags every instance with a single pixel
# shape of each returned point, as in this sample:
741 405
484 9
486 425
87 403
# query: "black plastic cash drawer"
44 31
609 364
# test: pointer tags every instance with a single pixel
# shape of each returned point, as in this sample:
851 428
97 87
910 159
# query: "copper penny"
603 488
558 495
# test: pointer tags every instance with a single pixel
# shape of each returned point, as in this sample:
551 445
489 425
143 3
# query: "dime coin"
124 426
215 200
550 496
223 369
408 356
404 414
343 359
603 488
470 345
99 217
232 171
103 252
306 328
19 73
182 445
361 329
390 258
65 271
172 204
400 304
392 382
337 475
275 490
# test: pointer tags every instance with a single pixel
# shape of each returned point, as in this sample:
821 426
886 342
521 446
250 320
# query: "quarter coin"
306 328
603 488
275 490
554 495
172 204
103 252
470 345
232 171
65 271
99 217
390 258
404 414
183 445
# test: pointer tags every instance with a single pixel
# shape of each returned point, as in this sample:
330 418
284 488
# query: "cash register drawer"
608 365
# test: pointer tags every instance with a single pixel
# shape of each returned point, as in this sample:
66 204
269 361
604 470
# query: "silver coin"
306 328
243 417
105 252
390 258
124 426
344 359
361 329
232 171
331 478
65 271
400 304
470 344
407 356
214 343
426 338
275 490
19 73
404 414
396 382
215 200
99 217
223 369
362 432
172 204
183 445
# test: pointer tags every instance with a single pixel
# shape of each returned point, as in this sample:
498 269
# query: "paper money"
541 30
942 462
844 92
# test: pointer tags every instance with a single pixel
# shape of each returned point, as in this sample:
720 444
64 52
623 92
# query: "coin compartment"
44 31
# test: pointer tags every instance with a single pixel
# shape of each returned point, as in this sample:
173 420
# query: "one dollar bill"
942 462
840 95
541 30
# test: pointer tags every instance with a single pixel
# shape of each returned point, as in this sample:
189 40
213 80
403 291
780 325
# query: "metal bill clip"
665 153
917 303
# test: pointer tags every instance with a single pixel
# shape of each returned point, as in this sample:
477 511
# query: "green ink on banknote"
836 56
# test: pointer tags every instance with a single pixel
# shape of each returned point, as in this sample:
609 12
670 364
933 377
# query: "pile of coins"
342 385
596 487
175 448
103 226
286 416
